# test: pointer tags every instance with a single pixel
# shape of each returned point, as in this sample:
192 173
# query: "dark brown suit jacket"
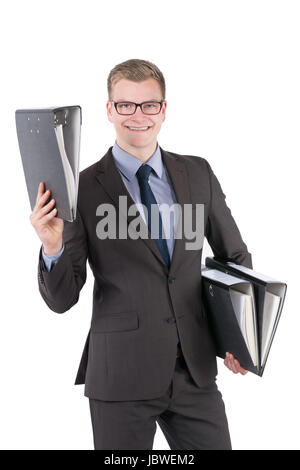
130 350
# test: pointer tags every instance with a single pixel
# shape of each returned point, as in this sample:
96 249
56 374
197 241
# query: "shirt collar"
129 165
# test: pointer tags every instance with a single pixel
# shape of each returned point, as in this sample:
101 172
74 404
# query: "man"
149 355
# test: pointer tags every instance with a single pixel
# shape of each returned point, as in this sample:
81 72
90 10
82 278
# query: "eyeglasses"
147 107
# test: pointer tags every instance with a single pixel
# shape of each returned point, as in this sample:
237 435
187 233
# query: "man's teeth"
138 128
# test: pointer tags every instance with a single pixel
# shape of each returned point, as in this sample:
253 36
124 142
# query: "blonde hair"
136 70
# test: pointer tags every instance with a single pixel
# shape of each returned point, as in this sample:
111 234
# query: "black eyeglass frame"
115 103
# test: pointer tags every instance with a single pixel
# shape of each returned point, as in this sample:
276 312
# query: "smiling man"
149 357
137 126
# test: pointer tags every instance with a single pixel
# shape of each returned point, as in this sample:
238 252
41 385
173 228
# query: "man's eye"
125 105
152 106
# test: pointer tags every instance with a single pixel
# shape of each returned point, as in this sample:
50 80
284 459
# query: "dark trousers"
190 418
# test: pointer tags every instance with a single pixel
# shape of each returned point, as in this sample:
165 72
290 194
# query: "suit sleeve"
222 232
61 286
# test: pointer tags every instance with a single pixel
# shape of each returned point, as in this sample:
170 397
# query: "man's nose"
139 112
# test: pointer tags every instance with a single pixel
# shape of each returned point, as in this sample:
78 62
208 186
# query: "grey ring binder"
49 142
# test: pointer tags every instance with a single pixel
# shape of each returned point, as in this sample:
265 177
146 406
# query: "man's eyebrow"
129 101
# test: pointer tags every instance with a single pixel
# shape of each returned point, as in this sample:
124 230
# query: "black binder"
219 291
269 296
49 142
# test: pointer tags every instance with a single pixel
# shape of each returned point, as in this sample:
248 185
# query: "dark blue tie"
148 199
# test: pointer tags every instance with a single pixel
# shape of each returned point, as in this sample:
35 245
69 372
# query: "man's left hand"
233 364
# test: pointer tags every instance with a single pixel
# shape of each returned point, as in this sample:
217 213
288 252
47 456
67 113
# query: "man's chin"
140 143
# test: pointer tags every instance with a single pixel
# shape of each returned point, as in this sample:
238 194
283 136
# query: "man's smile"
138 129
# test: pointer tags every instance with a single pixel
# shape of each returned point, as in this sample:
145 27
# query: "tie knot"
143 172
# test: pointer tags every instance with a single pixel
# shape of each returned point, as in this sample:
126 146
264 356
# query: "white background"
232 75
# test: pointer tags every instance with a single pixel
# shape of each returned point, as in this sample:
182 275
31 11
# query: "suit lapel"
109 177
177 171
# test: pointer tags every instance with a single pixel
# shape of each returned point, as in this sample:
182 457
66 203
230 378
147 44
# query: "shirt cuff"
50 260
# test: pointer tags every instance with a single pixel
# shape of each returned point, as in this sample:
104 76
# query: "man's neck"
141 153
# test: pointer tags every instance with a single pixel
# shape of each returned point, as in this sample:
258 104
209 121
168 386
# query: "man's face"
137 92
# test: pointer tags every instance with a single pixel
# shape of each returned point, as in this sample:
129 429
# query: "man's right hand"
48 227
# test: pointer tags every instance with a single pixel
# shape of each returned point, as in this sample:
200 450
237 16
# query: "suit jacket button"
171 279
171 320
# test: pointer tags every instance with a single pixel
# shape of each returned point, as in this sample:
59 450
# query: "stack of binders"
49 142
243 309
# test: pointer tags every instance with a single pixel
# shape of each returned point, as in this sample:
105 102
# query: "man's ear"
109 110
163 110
